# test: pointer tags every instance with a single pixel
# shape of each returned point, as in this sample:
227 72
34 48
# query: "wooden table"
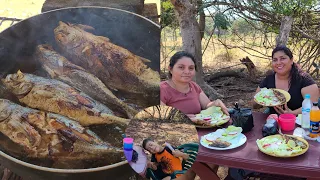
249 157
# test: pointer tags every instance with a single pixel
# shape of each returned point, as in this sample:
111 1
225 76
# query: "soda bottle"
306 108
314 120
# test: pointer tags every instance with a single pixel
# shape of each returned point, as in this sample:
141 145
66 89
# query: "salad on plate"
283 145
271 97
211 117
223 138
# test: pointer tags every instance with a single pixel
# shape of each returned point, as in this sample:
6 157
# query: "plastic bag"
242 117
271 126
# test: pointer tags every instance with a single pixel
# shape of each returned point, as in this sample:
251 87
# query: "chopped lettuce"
277 146
261 96
214 113
231 132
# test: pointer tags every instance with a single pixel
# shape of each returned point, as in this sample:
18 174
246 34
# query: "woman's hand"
285 110
219 103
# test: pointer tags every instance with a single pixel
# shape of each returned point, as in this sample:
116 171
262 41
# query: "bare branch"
244 49
305 35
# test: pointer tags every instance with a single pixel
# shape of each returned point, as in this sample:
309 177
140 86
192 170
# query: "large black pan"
17 45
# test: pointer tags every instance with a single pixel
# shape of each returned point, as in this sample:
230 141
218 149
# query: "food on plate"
44 135
270 97
58 67
293 141
231 132
213 116
219 143
281 97
57 97
282 145
115 66
222 137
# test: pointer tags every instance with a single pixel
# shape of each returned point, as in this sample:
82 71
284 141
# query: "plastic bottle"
314 120
306 108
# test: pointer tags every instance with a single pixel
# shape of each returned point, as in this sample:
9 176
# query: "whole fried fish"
49 135
57 97
115 66
58 67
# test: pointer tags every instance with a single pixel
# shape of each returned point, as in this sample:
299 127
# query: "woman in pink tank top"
180 91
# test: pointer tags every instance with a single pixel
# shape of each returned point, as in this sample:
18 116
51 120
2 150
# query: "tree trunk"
285 29
191 40
202 19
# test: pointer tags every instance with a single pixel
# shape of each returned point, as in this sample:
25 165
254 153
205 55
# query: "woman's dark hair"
296 74
145 141
178 55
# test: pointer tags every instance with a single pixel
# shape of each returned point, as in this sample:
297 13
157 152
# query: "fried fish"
57 97
282 99
219 144
115 66
45 135
58 67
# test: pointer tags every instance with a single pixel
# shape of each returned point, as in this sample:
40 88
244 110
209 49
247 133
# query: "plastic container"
306 108
287 122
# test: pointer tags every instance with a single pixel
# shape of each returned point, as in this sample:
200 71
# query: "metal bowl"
17 46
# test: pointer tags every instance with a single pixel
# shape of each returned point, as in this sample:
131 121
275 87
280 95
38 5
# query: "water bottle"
306 107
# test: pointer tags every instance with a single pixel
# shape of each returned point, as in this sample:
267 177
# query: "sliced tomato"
207 118
266 145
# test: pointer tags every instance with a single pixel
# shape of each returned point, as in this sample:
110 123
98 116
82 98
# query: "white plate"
235 142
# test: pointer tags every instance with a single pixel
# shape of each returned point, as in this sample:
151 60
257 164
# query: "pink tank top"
187 103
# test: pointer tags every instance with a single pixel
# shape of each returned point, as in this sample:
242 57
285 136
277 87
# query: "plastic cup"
128 140
127 146
287 122
127 143
128 153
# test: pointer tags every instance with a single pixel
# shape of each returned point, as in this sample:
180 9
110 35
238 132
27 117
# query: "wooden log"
226 73
250 66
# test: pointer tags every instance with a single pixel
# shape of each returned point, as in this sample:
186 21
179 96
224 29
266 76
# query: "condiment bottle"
314 120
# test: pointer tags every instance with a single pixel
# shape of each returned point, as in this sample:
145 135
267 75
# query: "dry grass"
20 9
216 55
